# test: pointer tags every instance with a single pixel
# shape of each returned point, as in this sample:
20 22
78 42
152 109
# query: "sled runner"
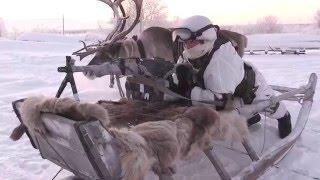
86 148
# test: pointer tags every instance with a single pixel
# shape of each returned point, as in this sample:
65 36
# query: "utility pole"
62 24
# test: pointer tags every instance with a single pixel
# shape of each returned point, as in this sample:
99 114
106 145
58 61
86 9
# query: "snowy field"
30 68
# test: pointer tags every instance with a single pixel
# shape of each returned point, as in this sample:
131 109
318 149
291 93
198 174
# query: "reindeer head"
109 51
110 48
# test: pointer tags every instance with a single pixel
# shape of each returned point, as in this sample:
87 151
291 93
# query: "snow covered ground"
29 68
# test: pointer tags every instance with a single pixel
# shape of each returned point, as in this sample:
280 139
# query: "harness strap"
177 50
141 49
246 89
142 53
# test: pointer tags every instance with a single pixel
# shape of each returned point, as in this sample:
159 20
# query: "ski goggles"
185 34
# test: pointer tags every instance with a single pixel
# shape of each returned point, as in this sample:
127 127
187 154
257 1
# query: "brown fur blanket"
119 114
160 134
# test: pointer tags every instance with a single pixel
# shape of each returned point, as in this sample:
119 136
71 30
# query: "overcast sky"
223 12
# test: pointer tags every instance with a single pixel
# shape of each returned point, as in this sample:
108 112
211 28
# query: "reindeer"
154 42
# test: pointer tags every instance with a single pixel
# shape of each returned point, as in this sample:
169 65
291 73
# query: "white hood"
194 23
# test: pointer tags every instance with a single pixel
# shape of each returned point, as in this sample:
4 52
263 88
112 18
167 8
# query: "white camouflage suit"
224 73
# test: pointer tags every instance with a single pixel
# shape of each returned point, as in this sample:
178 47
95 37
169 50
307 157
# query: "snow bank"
37 48
283 40
47 37
45 43
49 43
70 38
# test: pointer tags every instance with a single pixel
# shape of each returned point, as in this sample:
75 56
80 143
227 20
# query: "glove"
185 75
199 94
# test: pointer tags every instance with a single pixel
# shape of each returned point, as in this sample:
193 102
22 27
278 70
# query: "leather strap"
141 49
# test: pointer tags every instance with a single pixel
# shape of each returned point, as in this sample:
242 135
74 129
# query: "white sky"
88 12
248 11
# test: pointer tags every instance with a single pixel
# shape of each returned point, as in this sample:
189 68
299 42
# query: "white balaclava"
194 23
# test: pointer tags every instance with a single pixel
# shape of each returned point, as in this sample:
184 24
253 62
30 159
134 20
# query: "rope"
57 174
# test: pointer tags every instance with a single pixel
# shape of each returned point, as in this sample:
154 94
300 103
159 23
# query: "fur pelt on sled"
161 133
157 145
124 113
31 109
231 126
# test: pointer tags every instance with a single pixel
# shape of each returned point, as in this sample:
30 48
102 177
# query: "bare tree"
3 31
154 13
268 24
317 18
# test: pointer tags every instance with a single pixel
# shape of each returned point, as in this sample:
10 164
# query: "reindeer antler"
120 35
114 6
118 31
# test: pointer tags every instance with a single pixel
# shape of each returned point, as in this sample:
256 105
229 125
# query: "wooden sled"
86 148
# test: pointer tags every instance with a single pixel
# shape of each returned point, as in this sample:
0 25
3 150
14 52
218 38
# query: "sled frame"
303 95
261 164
